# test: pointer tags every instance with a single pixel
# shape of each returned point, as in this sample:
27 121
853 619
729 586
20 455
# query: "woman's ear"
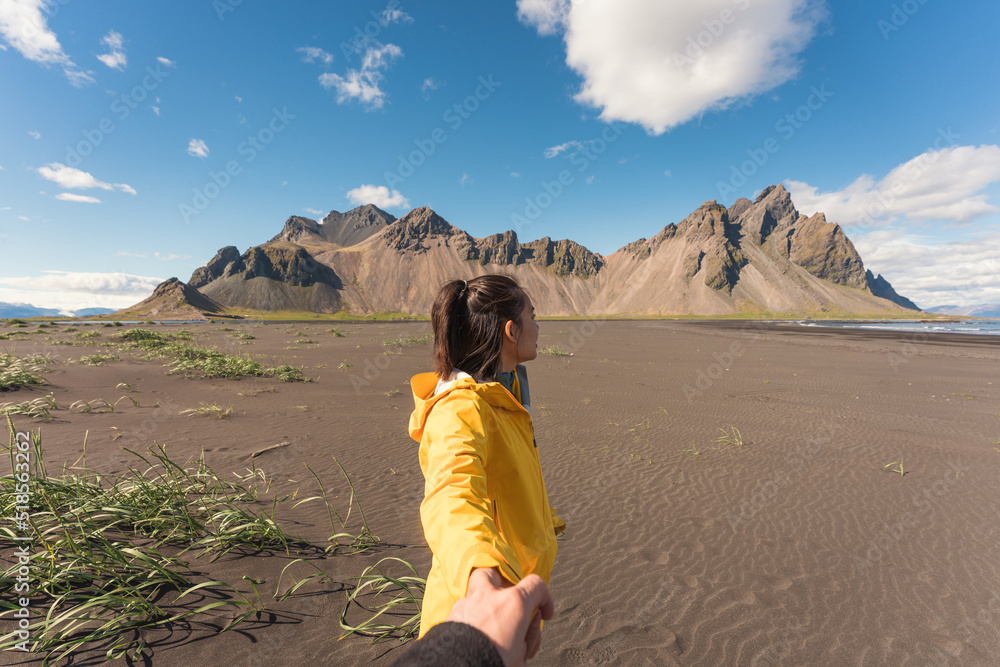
510 329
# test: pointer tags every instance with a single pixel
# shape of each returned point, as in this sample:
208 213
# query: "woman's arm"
457 513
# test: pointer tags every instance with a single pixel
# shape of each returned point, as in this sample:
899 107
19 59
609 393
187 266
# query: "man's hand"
511 616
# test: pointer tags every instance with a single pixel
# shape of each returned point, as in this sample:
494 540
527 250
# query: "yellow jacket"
484 497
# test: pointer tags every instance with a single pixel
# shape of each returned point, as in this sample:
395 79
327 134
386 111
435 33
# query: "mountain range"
755 257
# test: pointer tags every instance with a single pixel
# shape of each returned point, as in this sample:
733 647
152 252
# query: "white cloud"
115 58
660 64
378 195
590 179
945 184
549 16
363 84
26 219
553 151
156 110
67 196
23 25
166 62
962 272
465 180
170 258
71 290
126 253
429 84
395 15
311 54
238 98
74 179
515 174
35 135
197 148
314 211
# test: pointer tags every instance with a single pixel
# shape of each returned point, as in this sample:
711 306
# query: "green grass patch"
407 340
17 372
98 359
553 350
38 409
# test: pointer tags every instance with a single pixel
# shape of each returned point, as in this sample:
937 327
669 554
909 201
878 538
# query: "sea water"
981 327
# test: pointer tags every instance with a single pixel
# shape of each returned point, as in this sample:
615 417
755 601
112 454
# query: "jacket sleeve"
457 510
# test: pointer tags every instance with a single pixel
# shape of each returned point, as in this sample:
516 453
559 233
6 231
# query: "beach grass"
110 552
202 362
731 437
39 409
209 410
895 466
17 372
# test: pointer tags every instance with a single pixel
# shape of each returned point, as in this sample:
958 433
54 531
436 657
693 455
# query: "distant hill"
760 257
978 310
174 300
27 310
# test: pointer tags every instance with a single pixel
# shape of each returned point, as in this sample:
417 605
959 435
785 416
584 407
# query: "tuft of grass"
888 467
98 405
336 332
202 362
692 452
304 341
393 392
109 550
210 409
98 359
554 350
733 437
407 340
393 611
245 336
14 321
17 372
286 373
88 334
38 409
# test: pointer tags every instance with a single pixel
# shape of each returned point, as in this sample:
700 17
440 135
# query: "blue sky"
122 120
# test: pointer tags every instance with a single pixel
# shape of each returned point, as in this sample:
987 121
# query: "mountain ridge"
759 256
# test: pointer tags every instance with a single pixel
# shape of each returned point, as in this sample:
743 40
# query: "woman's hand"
511 616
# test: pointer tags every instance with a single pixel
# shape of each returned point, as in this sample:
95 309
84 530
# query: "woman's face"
527 336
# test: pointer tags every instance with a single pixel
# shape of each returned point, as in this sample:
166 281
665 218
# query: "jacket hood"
429 388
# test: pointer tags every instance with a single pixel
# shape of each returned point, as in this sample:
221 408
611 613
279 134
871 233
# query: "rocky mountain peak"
297 228
215 267
354 226
412 230
879 286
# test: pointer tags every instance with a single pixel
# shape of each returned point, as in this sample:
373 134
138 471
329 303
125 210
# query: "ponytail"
468 319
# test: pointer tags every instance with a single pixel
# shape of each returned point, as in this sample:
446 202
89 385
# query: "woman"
485 504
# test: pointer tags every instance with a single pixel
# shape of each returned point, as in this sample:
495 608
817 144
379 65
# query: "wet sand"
795 548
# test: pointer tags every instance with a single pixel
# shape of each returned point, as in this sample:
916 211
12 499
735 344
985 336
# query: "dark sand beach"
794 548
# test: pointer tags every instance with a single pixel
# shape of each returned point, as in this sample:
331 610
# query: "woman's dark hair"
468 324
